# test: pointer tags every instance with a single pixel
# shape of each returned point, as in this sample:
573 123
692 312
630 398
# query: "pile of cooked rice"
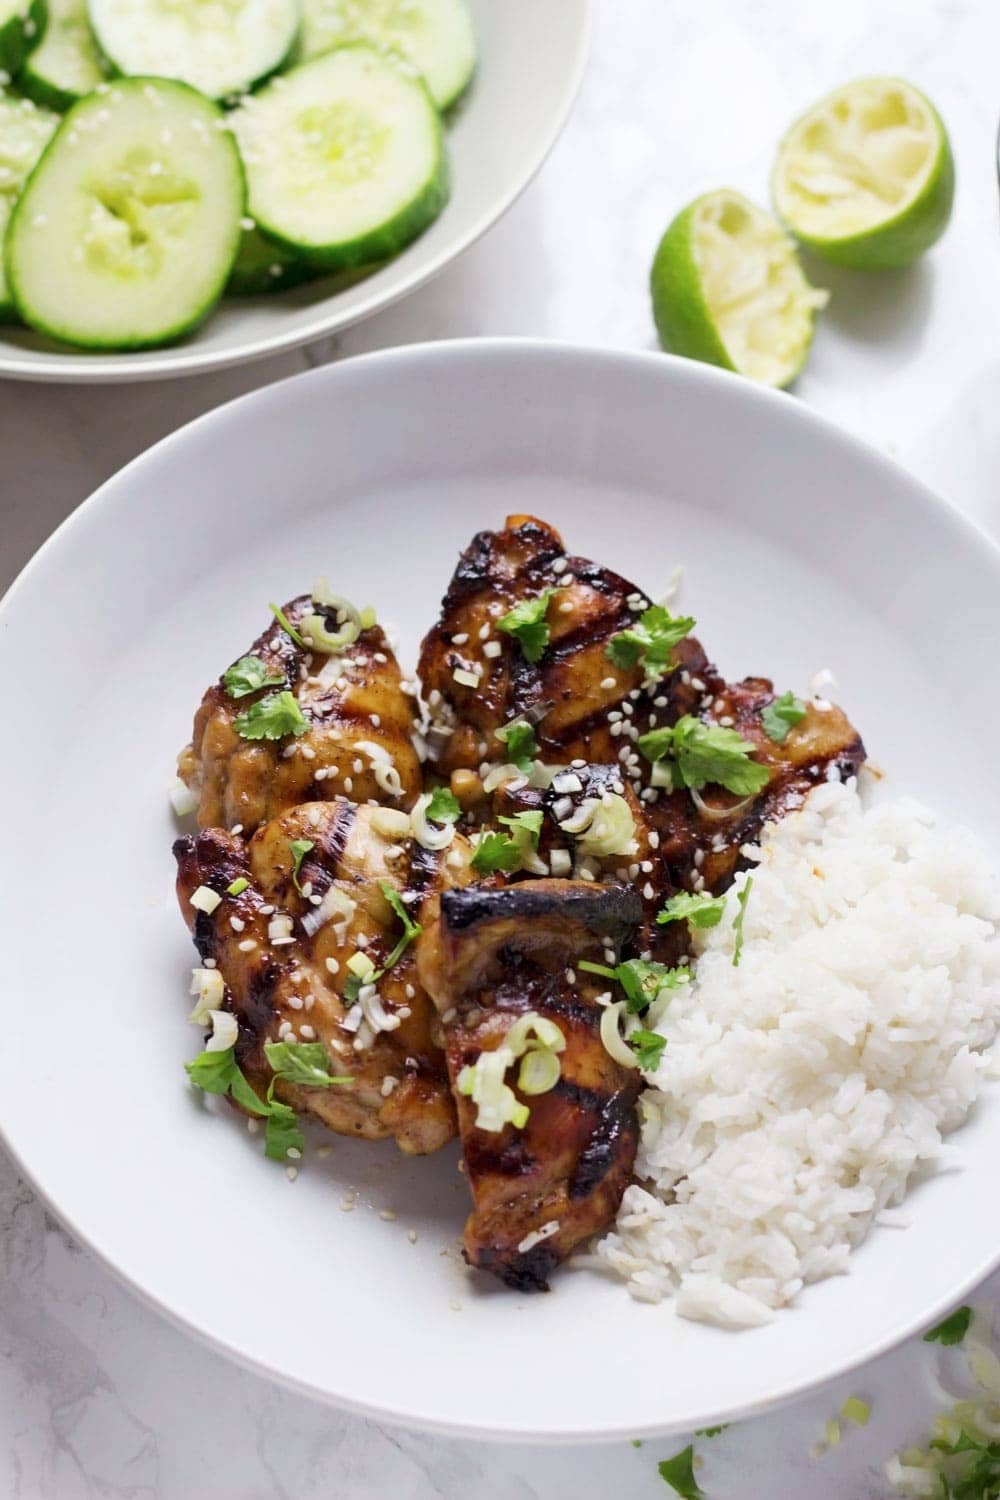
800 1092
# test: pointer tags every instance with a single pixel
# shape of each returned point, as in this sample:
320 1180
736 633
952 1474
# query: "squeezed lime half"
728 289
866 177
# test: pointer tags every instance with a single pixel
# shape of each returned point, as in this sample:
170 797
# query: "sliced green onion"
614 1043
483 1082
205 899
531 1029
539 1071
602 826
856 1411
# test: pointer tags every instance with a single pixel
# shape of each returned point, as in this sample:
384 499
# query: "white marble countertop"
99 1397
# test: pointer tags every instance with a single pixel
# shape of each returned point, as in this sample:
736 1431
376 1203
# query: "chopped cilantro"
711 1431
411 929
526 623
952 1330
741 901
443 806
710 753
652 638
530 822
237 886
218 1073
641 980
522 746
678 1472
352 987
496 851
271 718
247 675
781 716
648 1048
704 753
700 910
300 848
303 1062
282 1132
286 624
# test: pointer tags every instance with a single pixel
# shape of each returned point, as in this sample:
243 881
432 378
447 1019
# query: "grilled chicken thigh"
582 705
357 739
283 953
492 956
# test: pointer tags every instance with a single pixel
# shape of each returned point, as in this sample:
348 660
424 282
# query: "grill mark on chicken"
492 956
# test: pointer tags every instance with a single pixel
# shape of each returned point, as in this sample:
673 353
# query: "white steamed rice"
800 1092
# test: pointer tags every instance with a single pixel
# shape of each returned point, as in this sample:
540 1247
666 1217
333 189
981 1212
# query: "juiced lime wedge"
866 177
728 289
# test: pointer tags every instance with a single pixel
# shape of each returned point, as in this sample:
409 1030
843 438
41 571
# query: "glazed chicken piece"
492 956
569 693
284 952
580 796
584 707
357 740
702 846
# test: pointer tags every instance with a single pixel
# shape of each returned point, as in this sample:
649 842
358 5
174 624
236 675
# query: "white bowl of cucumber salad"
188 184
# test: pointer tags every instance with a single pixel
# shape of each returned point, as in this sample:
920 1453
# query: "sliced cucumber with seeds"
436 36
222 47
344 157
22 25
24 134
67 63
127 228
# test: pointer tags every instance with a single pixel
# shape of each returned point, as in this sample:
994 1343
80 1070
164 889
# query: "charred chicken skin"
283 951
584 706
355 741
493 956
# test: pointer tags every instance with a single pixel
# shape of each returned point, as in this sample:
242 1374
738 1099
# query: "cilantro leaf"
352 987
700 910
652 638
496 851
952 1330
300 848
271 718
658 744
678 1472
411 929
641 980
212 1071
711 1431
741 901
443 806
217 1073
781 716
303 1062
247 675
530 822
526 623
710 753
286 624
282 1133
648 1048
522 747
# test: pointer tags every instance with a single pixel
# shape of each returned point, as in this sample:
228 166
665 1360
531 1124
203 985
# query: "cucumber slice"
127 228
436 36
24 134
22 24
263 267
67 62
222 47
344 157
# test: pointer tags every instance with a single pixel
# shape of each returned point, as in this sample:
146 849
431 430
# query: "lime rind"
866 177
728 290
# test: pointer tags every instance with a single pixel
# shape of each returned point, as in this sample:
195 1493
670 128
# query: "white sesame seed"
566 608
460 640
236 828
388 1214
294 1153
348 784
295 1002
324 1151
654 839
380 657
492 649
646 867
411 1235
247 945
570 976
484 632
291 1172
253 1125
607 683
648 891
559 566
308 1032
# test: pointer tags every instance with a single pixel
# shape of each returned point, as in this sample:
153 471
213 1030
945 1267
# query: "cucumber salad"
155 154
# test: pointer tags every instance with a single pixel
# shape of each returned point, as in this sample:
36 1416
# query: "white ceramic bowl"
531 58
802 549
